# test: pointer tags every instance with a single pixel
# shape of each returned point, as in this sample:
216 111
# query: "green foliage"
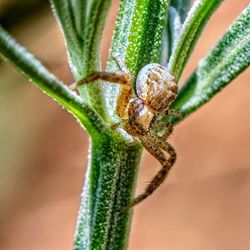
47 82
170 34
146 31
137 39
190 32
182 7
66 18
227 60
82 24
93 93
177 14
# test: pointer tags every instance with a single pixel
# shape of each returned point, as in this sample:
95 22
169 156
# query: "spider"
156 89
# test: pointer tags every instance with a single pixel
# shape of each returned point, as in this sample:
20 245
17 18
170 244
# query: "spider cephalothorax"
156 89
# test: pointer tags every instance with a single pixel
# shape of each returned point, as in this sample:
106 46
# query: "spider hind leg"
154 146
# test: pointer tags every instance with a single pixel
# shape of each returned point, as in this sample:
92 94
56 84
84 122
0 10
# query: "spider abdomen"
156 87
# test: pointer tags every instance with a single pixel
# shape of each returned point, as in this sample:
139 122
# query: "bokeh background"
204 204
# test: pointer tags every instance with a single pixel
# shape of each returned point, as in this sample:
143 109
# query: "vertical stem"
109 185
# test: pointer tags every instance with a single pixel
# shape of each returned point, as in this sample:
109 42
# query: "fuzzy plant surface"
146 31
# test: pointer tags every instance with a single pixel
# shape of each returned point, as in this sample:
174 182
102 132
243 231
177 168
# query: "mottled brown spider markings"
156 89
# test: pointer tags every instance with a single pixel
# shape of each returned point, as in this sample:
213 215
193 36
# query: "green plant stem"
109 185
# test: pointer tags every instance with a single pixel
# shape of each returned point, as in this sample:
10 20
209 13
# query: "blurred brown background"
205 202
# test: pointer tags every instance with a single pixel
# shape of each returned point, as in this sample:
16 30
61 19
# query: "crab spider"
156 89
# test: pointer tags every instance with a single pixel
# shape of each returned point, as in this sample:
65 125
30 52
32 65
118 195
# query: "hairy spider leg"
125 93
169 129
175 113
153 145
121 78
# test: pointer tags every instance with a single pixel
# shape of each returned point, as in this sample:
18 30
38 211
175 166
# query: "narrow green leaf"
92 93
182 7
144 41
43 79
82 23
227 60
63 12
79 13
170 35
165 46
190 32
176 15
174 26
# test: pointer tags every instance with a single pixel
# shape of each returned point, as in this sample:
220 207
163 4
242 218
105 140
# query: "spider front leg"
113 77
173 113
154 144
121 78
168 131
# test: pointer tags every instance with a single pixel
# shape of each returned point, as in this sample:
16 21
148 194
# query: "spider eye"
156 87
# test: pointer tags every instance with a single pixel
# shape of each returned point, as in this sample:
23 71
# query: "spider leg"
121 78
113 77
168 132
154 144
116 125
133 142
174 112
123 100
